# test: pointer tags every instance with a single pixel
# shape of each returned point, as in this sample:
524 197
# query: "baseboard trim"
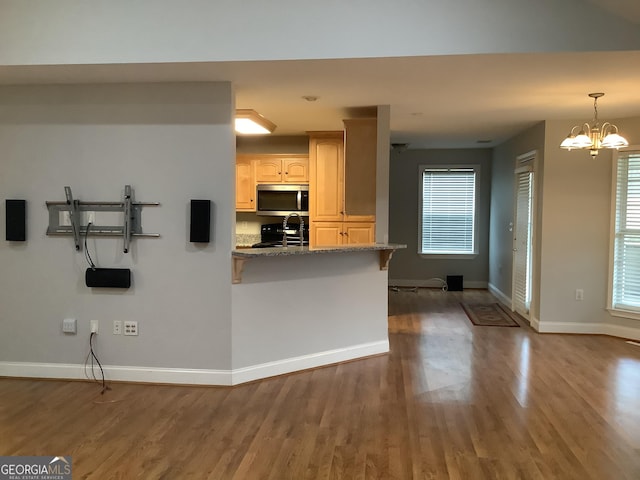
117 373
195 376
535 324
500 295
588 329
304 362
432 283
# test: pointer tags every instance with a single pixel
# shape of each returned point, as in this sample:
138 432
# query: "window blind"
626 263
448 211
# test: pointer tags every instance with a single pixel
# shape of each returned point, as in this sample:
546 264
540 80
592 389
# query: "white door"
522 241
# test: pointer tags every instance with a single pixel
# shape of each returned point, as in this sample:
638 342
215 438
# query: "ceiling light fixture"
594 136
250 122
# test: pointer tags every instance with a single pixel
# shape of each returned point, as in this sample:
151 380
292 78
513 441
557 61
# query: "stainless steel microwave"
282 199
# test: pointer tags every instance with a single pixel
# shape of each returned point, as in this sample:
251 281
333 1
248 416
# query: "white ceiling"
436 101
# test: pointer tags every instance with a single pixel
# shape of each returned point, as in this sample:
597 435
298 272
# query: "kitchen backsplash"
247 229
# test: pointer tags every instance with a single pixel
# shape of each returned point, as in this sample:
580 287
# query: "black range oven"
271 234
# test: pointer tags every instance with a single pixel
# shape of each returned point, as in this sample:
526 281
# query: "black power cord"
87 255
92 356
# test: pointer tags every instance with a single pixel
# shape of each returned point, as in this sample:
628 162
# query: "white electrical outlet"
94 326
88 217
130 328
117 327
69 325
579 294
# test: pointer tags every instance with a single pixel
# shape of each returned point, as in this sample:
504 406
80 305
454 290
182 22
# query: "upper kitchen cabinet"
245 184
282 168
342 175
342 193
326 176
360 153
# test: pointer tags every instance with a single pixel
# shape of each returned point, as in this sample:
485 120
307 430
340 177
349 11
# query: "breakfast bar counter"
239 257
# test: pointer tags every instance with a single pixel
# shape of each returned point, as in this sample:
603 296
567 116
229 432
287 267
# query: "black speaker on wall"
16 220
200 230
108 277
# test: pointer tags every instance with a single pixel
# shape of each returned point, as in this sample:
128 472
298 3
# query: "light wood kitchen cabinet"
326 176
360 153
324 234
355 233
245 185
342 211
282 169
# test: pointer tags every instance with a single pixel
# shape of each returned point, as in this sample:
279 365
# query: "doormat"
489 315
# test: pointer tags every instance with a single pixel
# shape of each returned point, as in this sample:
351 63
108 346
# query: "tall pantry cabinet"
342 175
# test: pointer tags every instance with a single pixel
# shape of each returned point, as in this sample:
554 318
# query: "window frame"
633 314
454 255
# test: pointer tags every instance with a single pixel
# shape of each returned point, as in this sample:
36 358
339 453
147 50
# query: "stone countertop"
239 257
286 251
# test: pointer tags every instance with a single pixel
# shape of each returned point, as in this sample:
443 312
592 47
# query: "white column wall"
171 143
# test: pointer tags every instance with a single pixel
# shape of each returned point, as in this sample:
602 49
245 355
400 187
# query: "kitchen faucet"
285 226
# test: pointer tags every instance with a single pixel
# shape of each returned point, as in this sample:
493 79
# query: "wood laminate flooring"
451 401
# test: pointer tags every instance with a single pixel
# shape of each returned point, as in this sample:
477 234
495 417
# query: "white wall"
307 306
147 31
576 234
171 143
382 173
575 230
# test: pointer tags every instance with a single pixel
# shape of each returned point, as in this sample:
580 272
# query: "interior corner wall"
503 208
383 139
408 267
171 143
575 233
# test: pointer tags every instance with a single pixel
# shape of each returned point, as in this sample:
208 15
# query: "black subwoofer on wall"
200 230
108 277
16 220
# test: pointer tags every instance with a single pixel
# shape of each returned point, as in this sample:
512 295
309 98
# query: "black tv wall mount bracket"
71 217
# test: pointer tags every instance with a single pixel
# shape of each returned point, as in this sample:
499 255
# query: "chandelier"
594 136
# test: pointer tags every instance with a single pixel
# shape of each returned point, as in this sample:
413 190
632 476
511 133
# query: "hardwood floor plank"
450 401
